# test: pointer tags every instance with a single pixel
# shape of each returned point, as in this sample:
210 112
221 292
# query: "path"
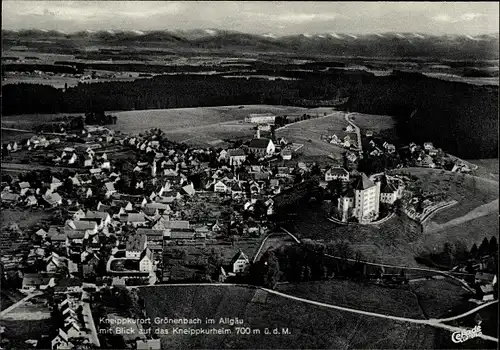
13 306
482 210
358 132
432 322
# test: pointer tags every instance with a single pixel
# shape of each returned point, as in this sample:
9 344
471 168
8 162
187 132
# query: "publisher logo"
466 334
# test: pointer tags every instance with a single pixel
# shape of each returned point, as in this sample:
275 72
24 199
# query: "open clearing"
420 300
310 326
309 133
373 122
487 168
181 118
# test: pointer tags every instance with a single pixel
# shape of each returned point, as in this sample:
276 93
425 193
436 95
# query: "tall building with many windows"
367 199
362 200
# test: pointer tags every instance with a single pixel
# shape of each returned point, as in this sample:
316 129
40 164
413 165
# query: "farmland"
310 326
181 119
310 134
421 299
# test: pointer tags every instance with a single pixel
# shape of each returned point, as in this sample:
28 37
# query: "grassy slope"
311 327
313 129
181 118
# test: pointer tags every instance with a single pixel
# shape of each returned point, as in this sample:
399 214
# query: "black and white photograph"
249 175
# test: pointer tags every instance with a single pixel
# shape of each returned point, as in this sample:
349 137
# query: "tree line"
458 117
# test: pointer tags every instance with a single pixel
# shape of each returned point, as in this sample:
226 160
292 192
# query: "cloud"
305 17
466 17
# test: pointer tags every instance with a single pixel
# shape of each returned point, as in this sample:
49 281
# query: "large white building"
262 147
361 201
260 118
335 173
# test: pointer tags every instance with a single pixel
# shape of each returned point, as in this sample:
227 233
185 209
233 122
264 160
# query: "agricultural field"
396 301
26 321
28 121
310 134
180 119
310 326
373 122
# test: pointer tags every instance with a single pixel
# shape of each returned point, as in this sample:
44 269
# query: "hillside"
341 44
310 327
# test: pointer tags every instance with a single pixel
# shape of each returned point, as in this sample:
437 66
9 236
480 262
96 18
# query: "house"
90 262
24 185
222 155
109 187
388 192
73 159
90 225
33 281
136 219
286 154
262 147
102 219
54 263
428 146
9 197
61 341
189 189
240 262
485 278
88 161
52 199
369 133
335 173
237 156
55 184
221 187
146 260
41 233
350 128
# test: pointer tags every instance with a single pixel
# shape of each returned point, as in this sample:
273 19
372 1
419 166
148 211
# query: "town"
132 210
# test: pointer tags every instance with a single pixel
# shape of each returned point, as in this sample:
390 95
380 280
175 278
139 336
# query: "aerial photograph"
249 175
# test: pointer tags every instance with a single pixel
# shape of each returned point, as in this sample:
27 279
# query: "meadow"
311 327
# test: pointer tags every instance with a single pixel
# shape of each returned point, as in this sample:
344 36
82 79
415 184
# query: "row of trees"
457 253
446 113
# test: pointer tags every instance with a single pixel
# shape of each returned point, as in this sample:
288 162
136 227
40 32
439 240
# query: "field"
24 218
487 168
309 133
180 119
420 300
26 321
373 122
182 261
310 326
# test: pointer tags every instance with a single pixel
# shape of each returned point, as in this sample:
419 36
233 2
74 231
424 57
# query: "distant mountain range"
335 44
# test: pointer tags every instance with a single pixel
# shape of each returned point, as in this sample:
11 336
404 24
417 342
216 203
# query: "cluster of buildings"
363 195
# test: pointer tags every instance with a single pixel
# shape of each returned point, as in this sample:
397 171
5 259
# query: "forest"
460 118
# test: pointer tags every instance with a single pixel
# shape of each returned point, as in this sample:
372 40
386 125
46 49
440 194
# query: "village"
134 210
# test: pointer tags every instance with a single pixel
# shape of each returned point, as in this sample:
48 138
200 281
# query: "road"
438 323
358 132
34 132
444 273
13 306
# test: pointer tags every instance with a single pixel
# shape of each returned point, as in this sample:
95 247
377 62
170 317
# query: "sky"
277 17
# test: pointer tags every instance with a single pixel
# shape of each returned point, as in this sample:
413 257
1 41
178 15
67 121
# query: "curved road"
432 322
358 132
